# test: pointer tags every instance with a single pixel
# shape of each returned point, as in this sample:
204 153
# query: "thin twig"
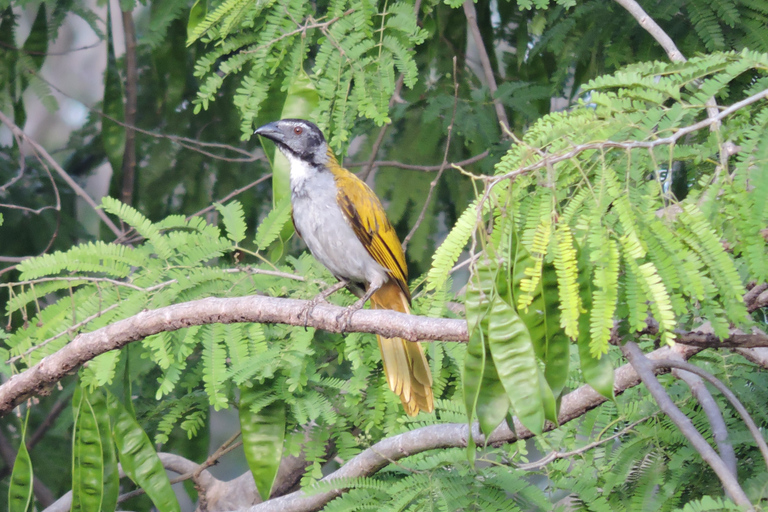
210 461
62 173
435 181
424 168
645 369
229 196
554 455
185 142
471 14
608 144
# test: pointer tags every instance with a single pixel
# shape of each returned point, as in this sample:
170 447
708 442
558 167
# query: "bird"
345 227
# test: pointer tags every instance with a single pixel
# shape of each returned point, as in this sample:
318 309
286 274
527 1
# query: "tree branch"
735 402
715 417
62 173
645 368
131 102
454 435
251 309
471 14
554 158
255 309
423 168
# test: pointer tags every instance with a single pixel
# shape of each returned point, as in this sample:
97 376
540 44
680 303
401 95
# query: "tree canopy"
582 191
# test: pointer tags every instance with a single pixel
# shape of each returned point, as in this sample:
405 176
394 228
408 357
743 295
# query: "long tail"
405 364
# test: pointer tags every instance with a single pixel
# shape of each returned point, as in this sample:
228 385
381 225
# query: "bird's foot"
319 298
345 317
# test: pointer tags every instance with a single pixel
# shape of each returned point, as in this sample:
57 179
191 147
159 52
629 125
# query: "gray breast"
326 232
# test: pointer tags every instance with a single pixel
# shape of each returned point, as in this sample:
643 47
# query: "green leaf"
596 369
263 433
270 227
87 458
300 103
234 220
113 133
36 45
139 459
515 360
20 489
196 15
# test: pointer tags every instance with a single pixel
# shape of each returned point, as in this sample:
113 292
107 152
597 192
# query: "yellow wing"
369 221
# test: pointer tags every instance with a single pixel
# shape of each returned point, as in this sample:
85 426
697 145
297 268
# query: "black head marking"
298 138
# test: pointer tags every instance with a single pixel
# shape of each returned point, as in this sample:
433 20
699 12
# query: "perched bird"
346 228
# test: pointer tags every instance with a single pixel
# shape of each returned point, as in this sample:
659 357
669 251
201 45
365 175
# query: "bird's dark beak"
271 131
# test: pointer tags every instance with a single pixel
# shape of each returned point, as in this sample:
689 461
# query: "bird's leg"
346 316
320 297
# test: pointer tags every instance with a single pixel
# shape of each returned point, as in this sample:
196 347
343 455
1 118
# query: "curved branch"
717 383
715 417
62 173
251 309
645 368
423 168
454 435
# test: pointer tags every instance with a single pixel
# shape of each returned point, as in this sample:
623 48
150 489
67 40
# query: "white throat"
301 171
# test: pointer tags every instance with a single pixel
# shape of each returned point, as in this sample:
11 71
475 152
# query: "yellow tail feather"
405 364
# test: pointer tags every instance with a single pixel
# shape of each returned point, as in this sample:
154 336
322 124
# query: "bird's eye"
297 130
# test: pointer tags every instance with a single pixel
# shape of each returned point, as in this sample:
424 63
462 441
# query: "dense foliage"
616 206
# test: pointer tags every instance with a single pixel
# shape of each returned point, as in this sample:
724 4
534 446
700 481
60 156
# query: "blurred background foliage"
69 68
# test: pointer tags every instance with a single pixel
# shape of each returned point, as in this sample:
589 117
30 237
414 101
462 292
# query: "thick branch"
715 417
252 309
131 102
454 435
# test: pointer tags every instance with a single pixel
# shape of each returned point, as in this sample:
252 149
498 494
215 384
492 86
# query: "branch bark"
454 435
253 309
131 102
471 14
645 368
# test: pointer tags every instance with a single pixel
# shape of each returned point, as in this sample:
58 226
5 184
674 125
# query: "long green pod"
111 478
113 133
492 402
513 353
477 305
263 432
301 101
22 477
88 462
139 459
542 317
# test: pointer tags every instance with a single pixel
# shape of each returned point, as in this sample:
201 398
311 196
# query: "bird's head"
297 139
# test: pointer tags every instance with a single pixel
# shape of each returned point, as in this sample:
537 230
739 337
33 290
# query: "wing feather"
368 220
